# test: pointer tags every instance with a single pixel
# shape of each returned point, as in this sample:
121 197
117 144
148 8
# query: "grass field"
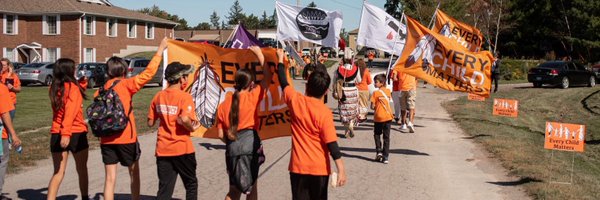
34 118
519 142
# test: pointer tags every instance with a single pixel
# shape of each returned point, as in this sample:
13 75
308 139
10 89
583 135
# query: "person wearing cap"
174 148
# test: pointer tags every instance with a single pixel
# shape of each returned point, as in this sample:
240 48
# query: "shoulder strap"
388 110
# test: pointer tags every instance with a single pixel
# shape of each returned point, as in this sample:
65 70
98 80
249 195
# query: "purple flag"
243 39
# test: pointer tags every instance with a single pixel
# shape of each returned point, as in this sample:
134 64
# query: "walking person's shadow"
41 193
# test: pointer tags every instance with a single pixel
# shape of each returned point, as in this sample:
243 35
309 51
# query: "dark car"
95 72
562 73
328 52
18 65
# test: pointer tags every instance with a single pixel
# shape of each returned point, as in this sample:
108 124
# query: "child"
69 130
237 122
174 148
124 148
380 102
313 137
363 90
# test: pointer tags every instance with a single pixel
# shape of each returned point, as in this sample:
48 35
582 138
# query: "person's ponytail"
234 116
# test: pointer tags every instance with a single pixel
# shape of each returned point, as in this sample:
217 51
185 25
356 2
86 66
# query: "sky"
196 11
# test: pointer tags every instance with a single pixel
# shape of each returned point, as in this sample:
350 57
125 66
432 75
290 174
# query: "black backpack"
106 115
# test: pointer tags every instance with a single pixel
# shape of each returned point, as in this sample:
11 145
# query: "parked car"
596 70
95 72
306 51
18 65
36 73
137 65
328 52
562 73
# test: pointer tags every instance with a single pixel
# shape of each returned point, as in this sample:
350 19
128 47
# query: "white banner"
379 30
308 24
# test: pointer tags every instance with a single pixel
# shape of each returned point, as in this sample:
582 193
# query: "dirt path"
436 162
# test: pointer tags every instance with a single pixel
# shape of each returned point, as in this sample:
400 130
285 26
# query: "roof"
205 37
41 7
355 31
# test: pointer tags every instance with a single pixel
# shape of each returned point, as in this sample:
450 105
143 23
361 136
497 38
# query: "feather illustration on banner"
206 93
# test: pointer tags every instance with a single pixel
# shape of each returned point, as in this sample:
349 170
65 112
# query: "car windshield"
33 65
552 65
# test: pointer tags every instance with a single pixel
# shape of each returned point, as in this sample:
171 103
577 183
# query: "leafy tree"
157 12
251 22
236 13
203 26
312 5
214 20
393 8
264 20
273 22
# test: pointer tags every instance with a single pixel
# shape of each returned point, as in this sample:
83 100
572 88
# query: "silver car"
36 73
137 65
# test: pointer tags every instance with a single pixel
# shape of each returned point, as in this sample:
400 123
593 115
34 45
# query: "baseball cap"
176 70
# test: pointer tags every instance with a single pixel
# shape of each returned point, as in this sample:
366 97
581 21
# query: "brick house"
83 30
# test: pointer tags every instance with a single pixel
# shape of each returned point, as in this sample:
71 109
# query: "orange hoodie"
69 119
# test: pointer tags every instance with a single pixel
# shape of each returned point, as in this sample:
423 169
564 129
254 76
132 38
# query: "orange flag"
213 80
443 62
466 35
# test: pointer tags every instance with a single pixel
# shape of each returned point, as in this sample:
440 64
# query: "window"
131 29
89 55
51 54
89 25
149 31
111 27
10 54
11 25
51 24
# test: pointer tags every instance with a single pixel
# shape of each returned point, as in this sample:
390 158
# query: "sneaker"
379 157
403 127
386 161
351 133
411 127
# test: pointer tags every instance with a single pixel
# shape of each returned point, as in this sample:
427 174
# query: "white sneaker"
403 127
411 127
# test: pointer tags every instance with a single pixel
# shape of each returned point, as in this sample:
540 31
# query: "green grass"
519 143
34 118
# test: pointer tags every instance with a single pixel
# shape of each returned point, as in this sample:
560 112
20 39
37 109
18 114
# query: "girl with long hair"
238 124
363 90
69 130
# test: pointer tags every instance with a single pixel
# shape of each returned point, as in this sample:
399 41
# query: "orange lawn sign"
564 137
474 97
506 107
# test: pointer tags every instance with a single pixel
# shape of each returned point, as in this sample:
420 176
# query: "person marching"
124 147
69 129
363 90
380 102
293 67
371 57
396 96
237 124
496 71
313 138
408 88
174 149
348 103
7 125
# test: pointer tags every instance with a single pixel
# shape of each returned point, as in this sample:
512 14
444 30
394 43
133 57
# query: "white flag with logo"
380 30
308 24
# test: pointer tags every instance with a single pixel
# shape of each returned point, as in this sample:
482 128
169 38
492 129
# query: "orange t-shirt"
383 110
126 89
5 107
407 82
16 83
247 115
396 85
371 55
69 119
173 139
312 130
366 81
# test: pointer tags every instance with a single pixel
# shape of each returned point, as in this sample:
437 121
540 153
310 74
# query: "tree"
214 20
157 12
224 25
236 14
202 26
393 8
312 5
251 22
273 22
264 20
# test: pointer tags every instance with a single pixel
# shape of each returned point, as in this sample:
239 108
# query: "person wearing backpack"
69 130
174 148
123 147
237 124
380 102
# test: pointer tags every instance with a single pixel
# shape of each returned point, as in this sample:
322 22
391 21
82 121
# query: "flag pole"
434 15
231 35
387 72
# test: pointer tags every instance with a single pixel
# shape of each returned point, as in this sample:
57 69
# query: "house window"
11 25
149 31
89 55
51 54
89 25
51 24
131 29
111 27
10 54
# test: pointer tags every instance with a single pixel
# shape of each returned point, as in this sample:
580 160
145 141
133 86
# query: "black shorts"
308 187
78 142
126 154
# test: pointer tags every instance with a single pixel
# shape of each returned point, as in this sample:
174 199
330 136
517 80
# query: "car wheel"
592 81
91 83
537 85
48 81
564 83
